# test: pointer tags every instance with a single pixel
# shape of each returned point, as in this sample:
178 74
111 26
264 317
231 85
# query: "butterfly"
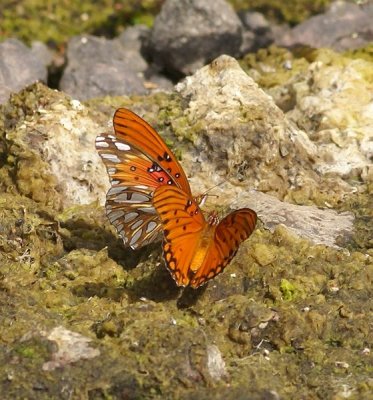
137 161
150 193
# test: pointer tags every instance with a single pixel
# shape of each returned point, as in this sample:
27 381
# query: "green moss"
365 53
55 22
288 290
293 12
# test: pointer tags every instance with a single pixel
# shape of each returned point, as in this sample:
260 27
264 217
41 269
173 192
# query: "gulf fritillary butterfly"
150 193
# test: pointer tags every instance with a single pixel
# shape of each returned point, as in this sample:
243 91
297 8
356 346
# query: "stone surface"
98 67
18 68
238 131
190 33
344 26
257 31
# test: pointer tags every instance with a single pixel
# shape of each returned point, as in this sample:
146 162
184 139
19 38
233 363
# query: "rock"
130 41
41 52
18 68
257 31
344 26
99 67
72 347
57 163
189 33
320 226
338 101
239 132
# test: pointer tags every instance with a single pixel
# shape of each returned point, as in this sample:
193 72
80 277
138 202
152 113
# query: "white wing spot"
111 157
151 226
135 198
137 224
115 190
130 217
149 210
135 237
111 171
101 144
122 146
114 215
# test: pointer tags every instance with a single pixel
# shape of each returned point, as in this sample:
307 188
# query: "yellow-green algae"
66 267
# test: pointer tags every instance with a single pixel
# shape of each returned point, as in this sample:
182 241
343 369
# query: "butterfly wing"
183 224
138 134
231 231
137 161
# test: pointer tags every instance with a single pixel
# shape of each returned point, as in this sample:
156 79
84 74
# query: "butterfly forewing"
137 133
137 161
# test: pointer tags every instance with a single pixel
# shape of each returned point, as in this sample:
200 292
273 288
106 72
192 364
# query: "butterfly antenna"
202 197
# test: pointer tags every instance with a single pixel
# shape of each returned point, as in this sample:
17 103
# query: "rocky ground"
280 116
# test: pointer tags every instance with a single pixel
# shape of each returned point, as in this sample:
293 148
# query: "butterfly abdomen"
202 248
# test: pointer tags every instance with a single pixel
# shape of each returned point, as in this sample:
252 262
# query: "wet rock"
188 34
344 26
98 67
18 68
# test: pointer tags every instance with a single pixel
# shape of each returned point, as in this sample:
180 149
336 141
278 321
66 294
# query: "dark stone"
187 34
18 68
344 26
98 67
257 31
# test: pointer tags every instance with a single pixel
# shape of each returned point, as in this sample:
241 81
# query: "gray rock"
344 26
189 33
18 68
42 53
99 67
131 40
257 31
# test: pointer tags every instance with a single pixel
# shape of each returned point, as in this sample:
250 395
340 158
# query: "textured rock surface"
98 67
189 33
344 26
18 68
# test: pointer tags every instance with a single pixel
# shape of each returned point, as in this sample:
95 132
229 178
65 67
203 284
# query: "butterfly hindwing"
231 231
197 250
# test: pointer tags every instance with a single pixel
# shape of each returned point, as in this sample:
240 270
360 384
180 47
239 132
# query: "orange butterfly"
150 193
